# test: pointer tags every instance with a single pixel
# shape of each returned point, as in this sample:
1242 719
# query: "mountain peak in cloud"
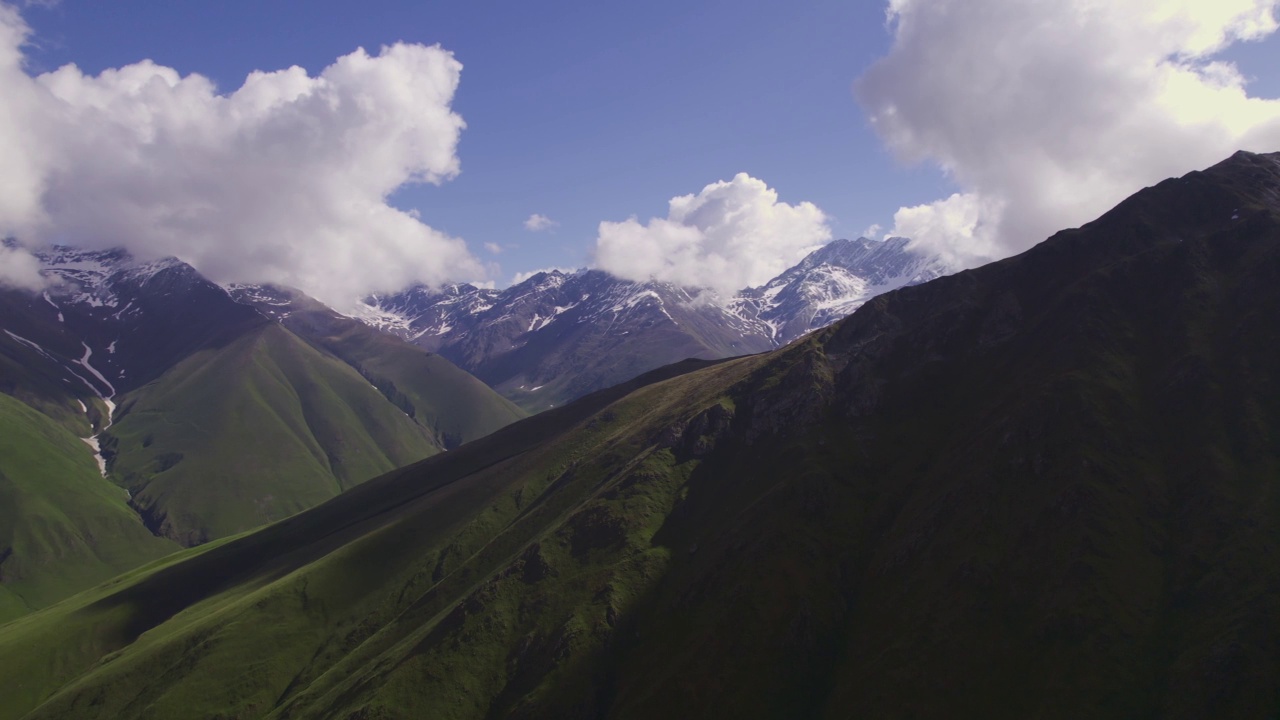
733 234
283 180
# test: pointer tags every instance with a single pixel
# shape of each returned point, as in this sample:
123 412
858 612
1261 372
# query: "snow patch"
84 362
379 317
92 442
31 344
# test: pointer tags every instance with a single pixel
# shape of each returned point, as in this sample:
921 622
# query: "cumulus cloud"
732 235
1046 113
493 248
19 269
285 179
538 223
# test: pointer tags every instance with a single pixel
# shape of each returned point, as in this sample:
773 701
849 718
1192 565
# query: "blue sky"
1043 114
579 111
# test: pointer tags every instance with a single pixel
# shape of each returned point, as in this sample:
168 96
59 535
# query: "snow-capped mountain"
425 316
832 282
137 317
557 336
177 387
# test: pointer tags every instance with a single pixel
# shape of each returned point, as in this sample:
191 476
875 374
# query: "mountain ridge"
206 416
1042 488
558 335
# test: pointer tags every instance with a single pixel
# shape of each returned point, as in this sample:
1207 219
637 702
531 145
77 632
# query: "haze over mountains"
1041 488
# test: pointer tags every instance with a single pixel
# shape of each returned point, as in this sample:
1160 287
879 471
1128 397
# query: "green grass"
453 405
236 435
241 435
65 527
238 624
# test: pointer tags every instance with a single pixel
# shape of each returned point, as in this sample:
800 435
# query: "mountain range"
206 417
559 335
1041 488
211 410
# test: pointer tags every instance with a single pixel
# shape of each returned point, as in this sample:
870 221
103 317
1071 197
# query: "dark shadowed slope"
1044 488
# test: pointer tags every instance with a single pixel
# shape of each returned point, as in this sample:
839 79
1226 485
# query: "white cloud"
538 223
1046 113
493 248
19 269
286 179
730 236
522 276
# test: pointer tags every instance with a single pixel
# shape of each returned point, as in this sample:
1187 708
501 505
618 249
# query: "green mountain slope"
241 435
454 405
62 526
227 420
1044 488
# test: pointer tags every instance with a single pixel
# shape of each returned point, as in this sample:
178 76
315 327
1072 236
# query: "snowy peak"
135 317
421 314
96 263
832 282
561 334
876 263
81 276
869 256
144 272
274 301
96 278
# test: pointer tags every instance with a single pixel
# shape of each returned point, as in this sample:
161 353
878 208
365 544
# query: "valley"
216 410
992 466
206 417
896 360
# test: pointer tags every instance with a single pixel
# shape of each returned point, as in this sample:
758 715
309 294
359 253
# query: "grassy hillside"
455 406
241 435
62 526
272 573
253 424
1044 488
